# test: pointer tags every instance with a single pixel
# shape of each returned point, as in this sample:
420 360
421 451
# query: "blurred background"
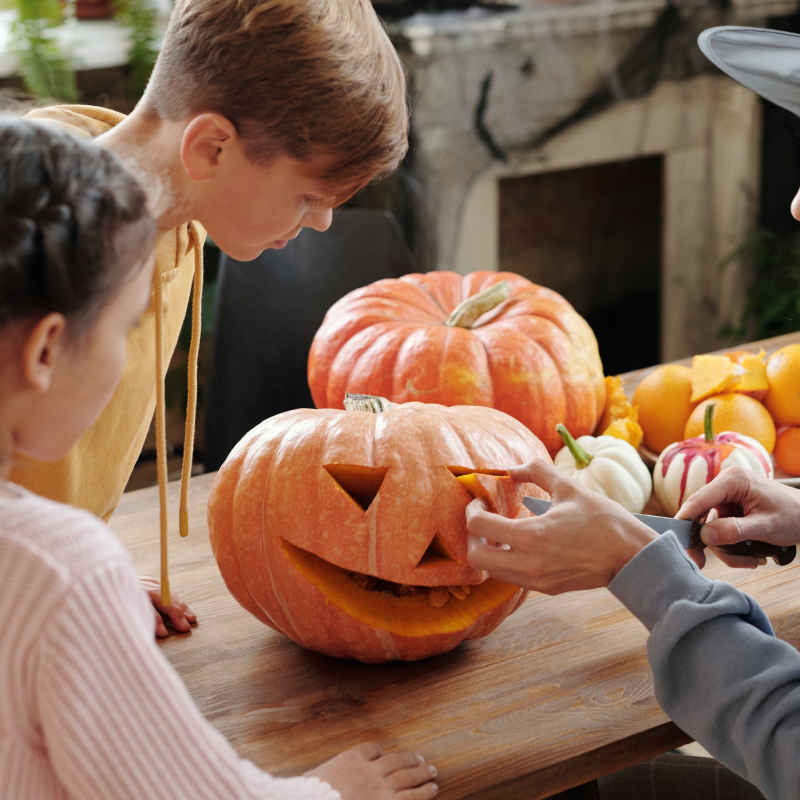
584 144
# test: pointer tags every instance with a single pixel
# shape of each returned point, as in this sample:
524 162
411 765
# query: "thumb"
540 472
730 530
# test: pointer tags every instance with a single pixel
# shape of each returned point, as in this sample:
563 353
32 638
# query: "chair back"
268 310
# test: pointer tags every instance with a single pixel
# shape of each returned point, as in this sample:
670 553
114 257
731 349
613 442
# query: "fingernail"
434 788
420 759
709 535
433 771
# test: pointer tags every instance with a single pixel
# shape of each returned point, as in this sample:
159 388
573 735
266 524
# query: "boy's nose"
320 219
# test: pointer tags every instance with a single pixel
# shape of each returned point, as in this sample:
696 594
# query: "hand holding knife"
688 534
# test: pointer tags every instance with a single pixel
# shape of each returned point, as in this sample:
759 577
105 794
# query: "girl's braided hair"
73 224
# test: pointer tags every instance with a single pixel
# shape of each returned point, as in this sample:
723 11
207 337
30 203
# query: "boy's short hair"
301 78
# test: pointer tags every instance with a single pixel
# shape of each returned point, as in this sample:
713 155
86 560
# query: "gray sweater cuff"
656 577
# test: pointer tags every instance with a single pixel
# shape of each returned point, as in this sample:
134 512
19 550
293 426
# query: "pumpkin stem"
708 423
465 314
582 458
366 402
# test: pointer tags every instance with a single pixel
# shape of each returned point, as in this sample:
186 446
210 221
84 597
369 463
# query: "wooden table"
559 695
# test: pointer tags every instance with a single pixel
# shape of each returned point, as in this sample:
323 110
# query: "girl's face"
81 374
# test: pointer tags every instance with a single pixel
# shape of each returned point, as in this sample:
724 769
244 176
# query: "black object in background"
268 310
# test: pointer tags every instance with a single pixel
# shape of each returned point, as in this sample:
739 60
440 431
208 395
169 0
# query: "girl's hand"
582 542
181 616
742 505
366 772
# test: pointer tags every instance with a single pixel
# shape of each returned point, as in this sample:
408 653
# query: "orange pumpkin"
486 339
346 530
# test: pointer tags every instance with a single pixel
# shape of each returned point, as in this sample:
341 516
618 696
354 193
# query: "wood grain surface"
560 694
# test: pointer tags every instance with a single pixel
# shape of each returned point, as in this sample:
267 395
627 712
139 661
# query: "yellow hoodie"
94 474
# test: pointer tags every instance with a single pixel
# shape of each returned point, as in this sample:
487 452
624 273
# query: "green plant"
772 307
140 16
45 69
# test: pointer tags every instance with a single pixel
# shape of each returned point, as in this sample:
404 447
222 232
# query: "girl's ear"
41 351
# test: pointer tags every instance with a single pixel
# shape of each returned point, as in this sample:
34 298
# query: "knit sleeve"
719 672
118 722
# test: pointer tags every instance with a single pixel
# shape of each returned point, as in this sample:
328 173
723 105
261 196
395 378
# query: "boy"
259 118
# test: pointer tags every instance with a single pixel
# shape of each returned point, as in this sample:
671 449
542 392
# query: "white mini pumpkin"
608 466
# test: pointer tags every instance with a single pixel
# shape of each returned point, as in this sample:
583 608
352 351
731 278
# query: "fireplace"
540 100
593 234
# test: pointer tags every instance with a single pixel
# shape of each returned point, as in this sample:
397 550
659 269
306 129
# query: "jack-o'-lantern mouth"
399 608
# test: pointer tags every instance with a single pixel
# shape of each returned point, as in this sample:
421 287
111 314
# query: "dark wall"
780 159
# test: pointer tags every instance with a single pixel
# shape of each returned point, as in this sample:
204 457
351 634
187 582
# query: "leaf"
44 68
773 298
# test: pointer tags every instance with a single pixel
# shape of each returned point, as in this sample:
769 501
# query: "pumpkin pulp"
384 610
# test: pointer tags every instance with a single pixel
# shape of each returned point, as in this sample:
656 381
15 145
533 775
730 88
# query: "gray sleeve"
718 669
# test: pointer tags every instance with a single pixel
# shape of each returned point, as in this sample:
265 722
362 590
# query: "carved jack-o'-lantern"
346 530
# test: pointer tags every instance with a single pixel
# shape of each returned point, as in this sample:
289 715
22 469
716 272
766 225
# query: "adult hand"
582 541
179 614
742 505
365 771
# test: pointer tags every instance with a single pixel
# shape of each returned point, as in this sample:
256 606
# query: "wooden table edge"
588 766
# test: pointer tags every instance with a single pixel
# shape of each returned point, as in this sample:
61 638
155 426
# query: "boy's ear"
40 353
204 142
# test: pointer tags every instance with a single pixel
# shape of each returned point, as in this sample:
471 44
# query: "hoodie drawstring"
191 411
191 403
161 442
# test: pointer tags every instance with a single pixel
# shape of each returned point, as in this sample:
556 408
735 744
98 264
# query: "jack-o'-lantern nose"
437 553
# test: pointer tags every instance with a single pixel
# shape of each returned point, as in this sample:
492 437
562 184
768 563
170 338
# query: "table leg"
588 791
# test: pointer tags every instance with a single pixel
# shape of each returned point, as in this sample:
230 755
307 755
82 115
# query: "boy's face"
248 208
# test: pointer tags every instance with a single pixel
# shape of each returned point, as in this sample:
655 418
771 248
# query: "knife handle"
781 555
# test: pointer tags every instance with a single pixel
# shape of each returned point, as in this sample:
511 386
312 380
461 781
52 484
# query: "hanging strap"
191 403
191 411
161 443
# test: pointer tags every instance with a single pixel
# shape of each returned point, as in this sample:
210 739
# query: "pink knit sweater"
89 707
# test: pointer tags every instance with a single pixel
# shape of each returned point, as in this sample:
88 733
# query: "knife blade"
688 534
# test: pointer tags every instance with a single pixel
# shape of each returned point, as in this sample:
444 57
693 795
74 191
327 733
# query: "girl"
88 705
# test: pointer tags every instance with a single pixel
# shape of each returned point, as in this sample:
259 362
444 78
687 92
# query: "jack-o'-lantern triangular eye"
438 552
360 482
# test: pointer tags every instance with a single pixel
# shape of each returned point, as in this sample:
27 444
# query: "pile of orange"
667 414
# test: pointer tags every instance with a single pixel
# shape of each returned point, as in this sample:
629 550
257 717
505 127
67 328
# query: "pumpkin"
685 467
487 339
607 465
346 530
620 418
754 382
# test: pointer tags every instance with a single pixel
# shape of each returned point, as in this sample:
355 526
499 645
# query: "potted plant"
46 70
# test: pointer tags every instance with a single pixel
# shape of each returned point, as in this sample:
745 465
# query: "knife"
688 533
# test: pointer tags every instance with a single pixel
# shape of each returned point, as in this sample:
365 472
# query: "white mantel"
545 58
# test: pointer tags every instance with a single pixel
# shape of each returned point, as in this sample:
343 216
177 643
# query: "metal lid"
766 61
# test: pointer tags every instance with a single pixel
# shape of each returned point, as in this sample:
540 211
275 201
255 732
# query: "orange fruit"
783 374
787 451
735 412
663 398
